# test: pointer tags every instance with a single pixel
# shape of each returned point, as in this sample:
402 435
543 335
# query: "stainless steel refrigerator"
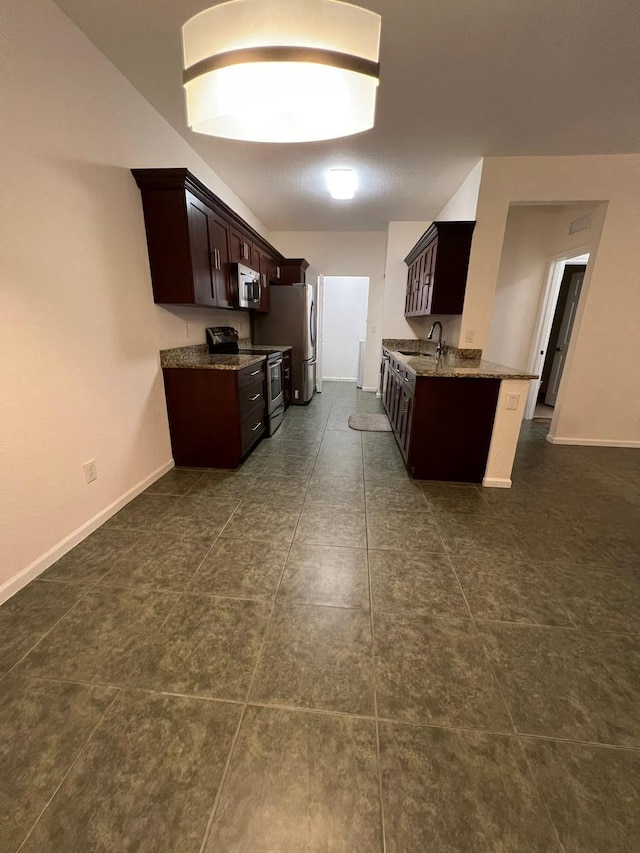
291 321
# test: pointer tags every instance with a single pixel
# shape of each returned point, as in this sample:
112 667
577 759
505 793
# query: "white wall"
401 238
534 236
461 207
521 282
599 400
81 334
344 325
340 253
463 204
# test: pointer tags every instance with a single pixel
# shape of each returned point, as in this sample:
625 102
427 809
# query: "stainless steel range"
224 339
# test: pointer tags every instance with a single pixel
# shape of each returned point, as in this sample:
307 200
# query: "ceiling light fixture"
281 70
342 183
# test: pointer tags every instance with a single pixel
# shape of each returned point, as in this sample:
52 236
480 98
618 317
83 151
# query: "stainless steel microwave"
248 282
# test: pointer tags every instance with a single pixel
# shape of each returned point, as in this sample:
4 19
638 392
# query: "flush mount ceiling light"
342 183
281 70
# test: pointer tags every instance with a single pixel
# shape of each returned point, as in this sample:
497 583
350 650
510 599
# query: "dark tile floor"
316 654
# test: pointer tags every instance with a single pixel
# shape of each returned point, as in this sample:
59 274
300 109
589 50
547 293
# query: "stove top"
254 351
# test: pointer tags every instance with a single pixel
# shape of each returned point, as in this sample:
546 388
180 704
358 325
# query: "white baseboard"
592 442
338 379
496 483
38 566
366 388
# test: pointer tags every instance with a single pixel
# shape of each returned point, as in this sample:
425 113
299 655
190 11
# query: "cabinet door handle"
277 272
257 426
255 373
254 398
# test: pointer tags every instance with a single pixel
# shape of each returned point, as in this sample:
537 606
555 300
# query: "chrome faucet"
440 346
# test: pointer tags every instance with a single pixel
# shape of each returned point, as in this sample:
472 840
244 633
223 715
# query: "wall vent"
580 224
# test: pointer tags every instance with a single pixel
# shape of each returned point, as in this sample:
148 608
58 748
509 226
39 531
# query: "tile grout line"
73 764
218 796
89 589
373 663
397 721
245 704
504 701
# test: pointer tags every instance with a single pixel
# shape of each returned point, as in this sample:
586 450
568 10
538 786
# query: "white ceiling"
460 79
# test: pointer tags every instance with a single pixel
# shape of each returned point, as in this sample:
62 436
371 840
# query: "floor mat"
370 423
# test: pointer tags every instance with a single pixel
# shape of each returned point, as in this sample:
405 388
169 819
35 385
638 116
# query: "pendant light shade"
281 70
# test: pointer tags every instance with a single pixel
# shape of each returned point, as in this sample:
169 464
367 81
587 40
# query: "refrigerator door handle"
312 323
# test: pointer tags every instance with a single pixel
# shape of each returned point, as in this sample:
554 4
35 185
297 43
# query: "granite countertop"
451 365
197 357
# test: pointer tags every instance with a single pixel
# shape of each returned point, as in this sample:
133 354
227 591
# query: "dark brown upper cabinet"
193 238
275 271
262 264
209 245
240 248
294 271
437 270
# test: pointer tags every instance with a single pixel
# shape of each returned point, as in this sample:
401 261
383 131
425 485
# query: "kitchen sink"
413 352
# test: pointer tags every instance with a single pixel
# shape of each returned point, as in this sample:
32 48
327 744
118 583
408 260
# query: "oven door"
275 389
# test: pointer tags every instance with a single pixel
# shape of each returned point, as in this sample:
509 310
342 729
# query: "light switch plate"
512 401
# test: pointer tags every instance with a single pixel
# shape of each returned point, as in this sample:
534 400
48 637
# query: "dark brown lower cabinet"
215 416
443 425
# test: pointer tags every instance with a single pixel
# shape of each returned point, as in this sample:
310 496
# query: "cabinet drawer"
251 374
251 397
252 428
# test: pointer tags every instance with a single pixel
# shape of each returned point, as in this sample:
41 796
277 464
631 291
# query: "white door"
560 354
344 321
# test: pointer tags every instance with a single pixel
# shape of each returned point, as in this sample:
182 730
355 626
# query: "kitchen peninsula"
455 418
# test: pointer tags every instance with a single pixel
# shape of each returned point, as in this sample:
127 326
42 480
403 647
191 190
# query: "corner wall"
79 349
342 253
599 401
401 237
534 237
461 207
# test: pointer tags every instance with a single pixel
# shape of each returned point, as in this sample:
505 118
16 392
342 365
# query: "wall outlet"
90 472
373 330
470 336
296 394
186 330
512 401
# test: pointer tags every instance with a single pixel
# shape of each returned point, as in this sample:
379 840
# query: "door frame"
320 324
319 330
545 320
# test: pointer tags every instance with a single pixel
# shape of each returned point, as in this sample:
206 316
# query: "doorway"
342 326
555 327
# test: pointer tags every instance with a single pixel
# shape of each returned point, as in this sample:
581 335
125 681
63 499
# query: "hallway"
317 653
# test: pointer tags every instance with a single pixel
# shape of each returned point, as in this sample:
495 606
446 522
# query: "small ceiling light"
281 70
342 183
